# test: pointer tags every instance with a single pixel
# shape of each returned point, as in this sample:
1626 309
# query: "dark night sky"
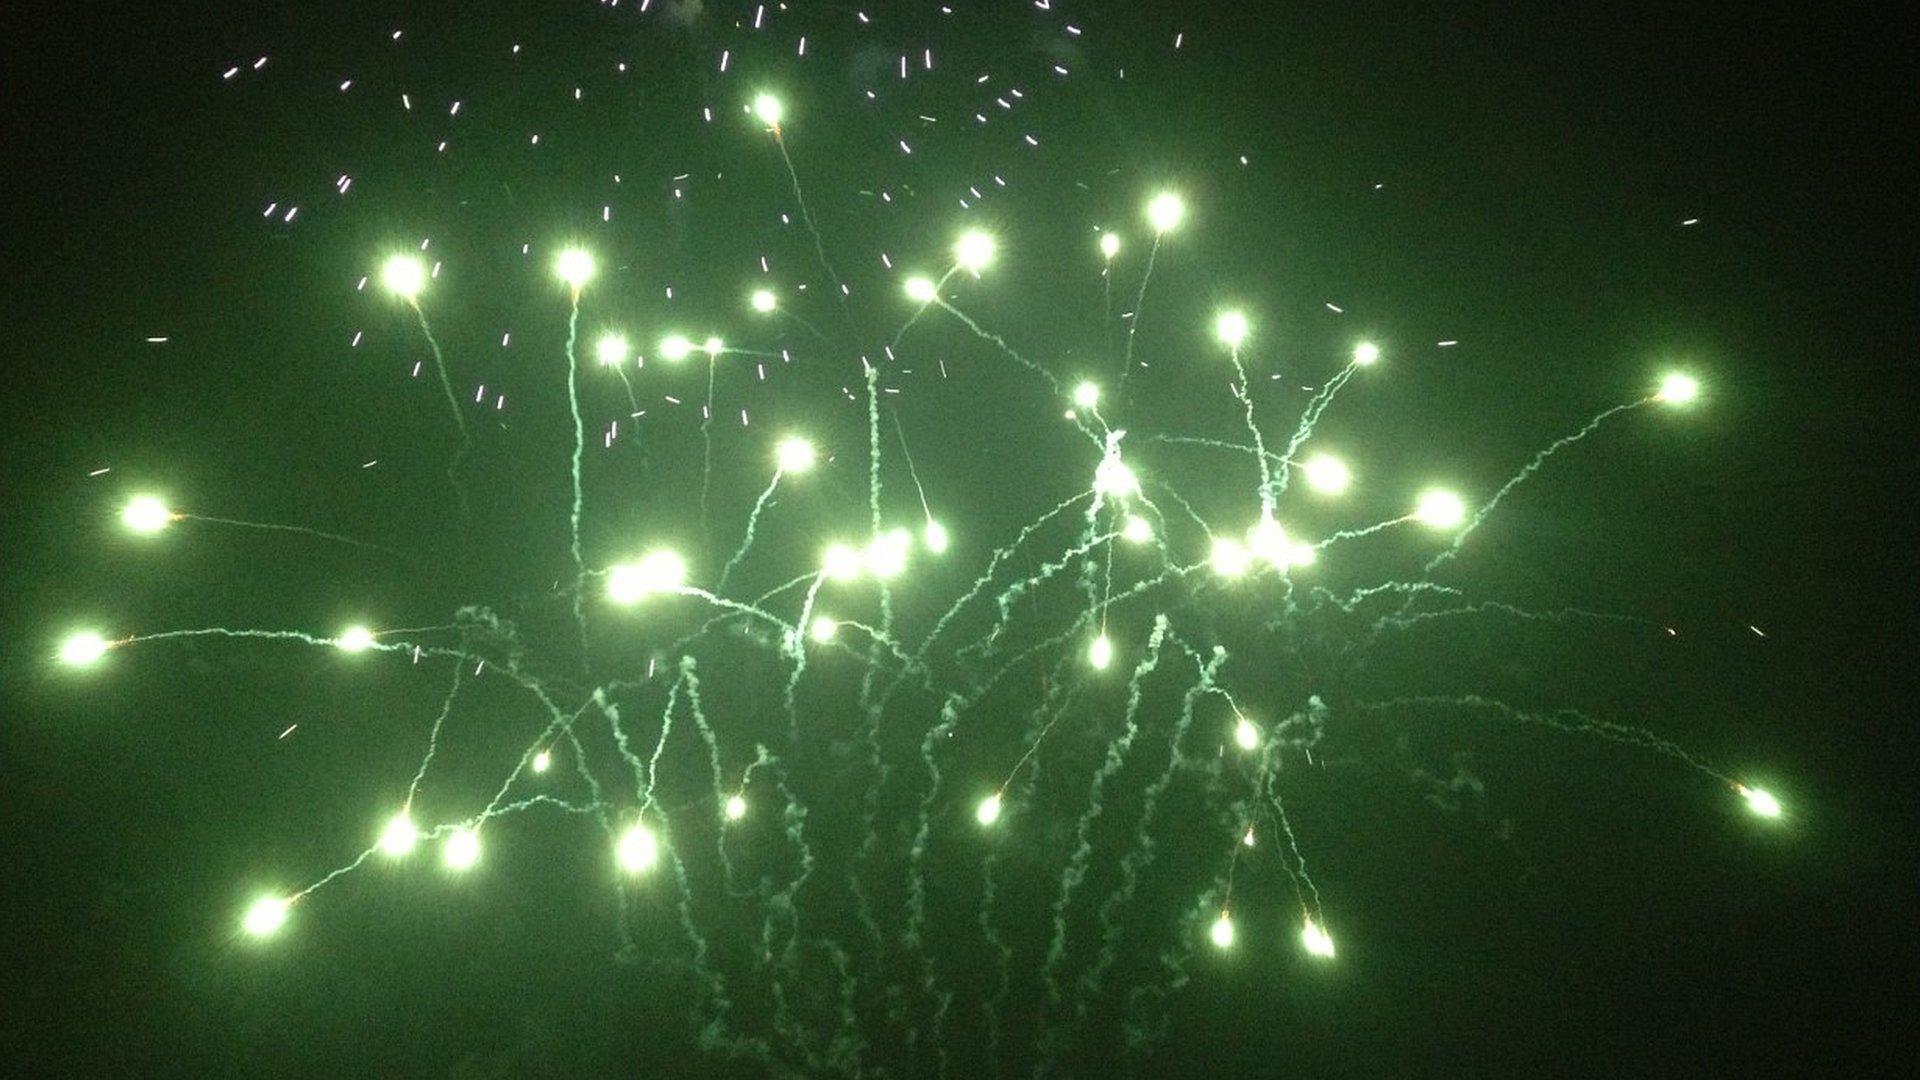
1599 912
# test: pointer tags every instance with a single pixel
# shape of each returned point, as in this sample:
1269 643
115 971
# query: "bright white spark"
935 537
266 916
1268 540
1366 354
768 109
637 850
404 276
1136 530
1327 474
612 350
794 455
1109 245
1086 395
988 811
1229 557
823 629
461 850
840 562
736 807
1439 509
1222 931
1231 328
974 251
1245 735
1760 802
921 290
1100 652
675 347
400 836
83 649
763 300
574 266
146 515
1679 389
1165 211
354 639
1317 940
656 571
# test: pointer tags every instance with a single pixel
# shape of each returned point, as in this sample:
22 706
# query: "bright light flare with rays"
793 455
675 347
1231 328
1439 509
1100 653
637 850
461 851
974 251
988 812
1221 932
1762 803
83 649
763 300
574 266
1366 354
1316 939
404 276
612 350
146 515
1087 395
823 629
399 837
768 109
1678 389
1327 474
354 639
736 807
266 916
1245 735
921 290
1165 211
655 572
934 535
